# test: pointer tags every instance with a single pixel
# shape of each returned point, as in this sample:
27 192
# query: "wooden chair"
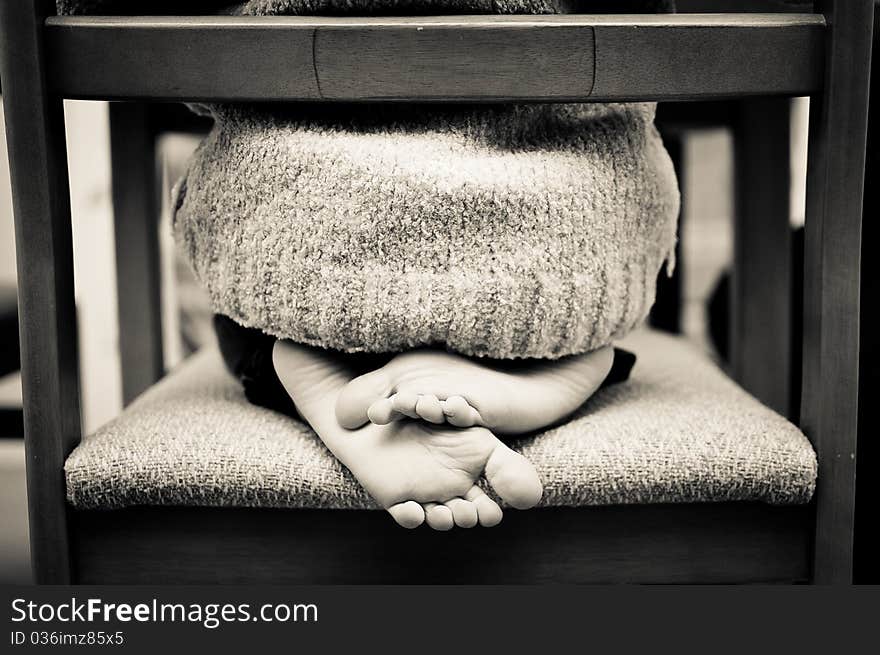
590 58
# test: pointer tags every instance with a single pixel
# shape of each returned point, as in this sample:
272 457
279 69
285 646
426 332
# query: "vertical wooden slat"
136 224
760 329
835 180
41 201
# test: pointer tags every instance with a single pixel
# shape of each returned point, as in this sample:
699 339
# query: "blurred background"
705 242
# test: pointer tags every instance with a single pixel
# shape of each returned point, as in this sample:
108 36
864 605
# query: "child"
495 252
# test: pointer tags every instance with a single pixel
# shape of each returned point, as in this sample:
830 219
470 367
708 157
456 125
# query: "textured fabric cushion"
678 431
501 231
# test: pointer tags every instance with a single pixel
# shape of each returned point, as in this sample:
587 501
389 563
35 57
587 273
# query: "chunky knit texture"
678 431
502 231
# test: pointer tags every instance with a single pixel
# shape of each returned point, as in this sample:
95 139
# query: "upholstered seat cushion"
678 431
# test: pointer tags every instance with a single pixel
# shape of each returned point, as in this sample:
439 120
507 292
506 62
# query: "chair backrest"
513 58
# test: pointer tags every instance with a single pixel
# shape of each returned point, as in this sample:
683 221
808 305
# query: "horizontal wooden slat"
572 57
686 543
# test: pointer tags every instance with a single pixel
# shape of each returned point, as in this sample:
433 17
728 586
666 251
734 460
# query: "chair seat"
678 431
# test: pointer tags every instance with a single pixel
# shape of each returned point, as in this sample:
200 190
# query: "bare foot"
417 471
441 387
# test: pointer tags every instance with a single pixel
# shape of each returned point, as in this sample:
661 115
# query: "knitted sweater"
503 231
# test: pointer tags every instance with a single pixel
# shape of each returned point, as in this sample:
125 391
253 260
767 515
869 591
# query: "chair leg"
136 221
41 201
760 327
835 183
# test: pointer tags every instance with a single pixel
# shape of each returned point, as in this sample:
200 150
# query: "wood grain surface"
571 57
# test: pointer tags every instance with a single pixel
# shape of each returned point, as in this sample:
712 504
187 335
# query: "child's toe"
408 514
488 511
428 407
459 413
405 403
382 412
464 512
439 517
513 478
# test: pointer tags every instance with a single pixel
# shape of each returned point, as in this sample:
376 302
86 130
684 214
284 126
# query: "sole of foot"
439 387
419 472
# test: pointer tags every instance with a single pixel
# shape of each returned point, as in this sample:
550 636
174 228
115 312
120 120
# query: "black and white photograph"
434 292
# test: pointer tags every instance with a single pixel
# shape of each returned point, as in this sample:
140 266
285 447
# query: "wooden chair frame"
825 55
